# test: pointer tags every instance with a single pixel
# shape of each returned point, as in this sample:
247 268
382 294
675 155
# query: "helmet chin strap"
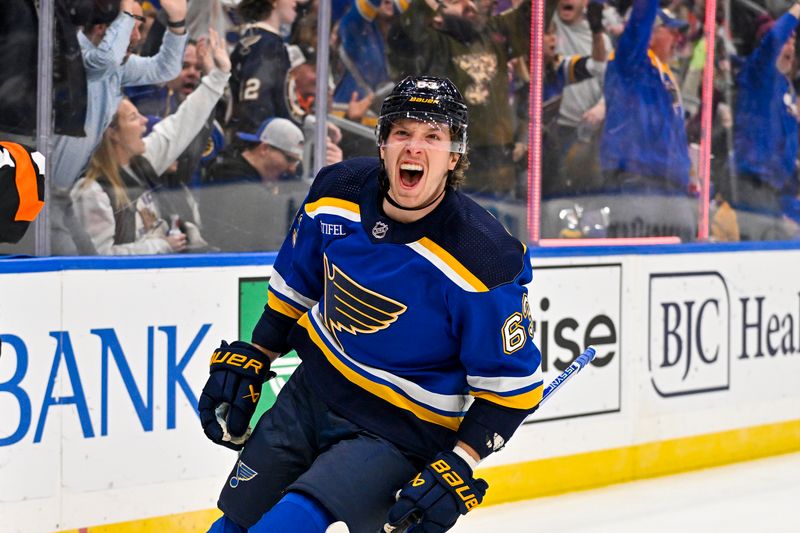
383 179
398 206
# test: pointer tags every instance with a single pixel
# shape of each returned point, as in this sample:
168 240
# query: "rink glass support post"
44 118
535 121
706 121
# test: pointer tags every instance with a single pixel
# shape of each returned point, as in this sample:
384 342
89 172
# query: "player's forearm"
471 453
269 353
487 427
271 331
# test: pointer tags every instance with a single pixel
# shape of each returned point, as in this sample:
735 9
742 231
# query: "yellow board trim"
453 263
523 481
278 305
381 391
191 522
333 202
596 469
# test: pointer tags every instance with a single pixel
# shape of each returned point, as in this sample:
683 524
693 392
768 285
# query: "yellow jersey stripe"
279 306
335 206
381 391
528 400
460 270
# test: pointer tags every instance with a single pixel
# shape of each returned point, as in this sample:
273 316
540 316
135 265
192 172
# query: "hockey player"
407 303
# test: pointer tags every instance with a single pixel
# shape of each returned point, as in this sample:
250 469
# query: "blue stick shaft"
582 360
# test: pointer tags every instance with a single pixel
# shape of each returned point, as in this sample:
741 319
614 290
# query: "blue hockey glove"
436 497
232 391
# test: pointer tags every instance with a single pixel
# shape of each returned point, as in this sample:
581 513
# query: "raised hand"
357 108
175 9
204 55
218 51
126 5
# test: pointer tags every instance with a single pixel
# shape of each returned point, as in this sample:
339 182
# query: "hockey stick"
577 365
581 361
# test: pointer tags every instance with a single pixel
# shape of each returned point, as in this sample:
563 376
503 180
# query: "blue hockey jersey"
419 332
644 131
767 104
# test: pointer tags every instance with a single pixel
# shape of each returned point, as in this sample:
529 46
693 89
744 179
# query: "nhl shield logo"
379 230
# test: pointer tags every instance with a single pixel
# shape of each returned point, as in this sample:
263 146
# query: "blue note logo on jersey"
243 473
353 308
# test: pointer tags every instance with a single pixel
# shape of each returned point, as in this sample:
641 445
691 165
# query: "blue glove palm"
436 497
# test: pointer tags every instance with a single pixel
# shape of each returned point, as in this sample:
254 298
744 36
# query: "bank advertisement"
100 371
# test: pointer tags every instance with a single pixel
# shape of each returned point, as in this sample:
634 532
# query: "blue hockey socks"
226 525
297 513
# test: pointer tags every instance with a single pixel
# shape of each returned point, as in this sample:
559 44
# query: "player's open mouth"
410 174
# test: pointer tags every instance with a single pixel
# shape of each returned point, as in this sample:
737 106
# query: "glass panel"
18 50
376 43
153 154
616 161
761 184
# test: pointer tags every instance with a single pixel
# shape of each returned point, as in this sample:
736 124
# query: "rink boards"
103 359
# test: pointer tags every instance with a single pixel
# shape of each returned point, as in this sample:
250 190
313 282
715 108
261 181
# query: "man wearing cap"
644 149
765 138
271 154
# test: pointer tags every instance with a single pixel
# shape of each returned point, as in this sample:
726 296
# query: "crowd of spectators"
177 107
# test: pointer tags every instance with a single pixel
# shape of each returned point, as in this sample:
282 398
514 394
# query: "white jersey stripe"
453 403
277 284
503 383
333 210
441 265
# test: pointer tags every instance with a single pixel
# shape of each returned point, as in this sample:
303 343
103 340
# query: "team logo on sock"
243 473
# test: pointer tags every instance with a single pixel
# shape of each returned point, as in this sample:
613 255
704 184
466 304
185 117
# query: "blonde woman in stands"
118 201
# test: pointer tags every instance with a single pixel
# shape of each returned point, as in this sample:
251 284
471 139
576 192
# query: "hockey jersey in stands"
419 332
258 78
